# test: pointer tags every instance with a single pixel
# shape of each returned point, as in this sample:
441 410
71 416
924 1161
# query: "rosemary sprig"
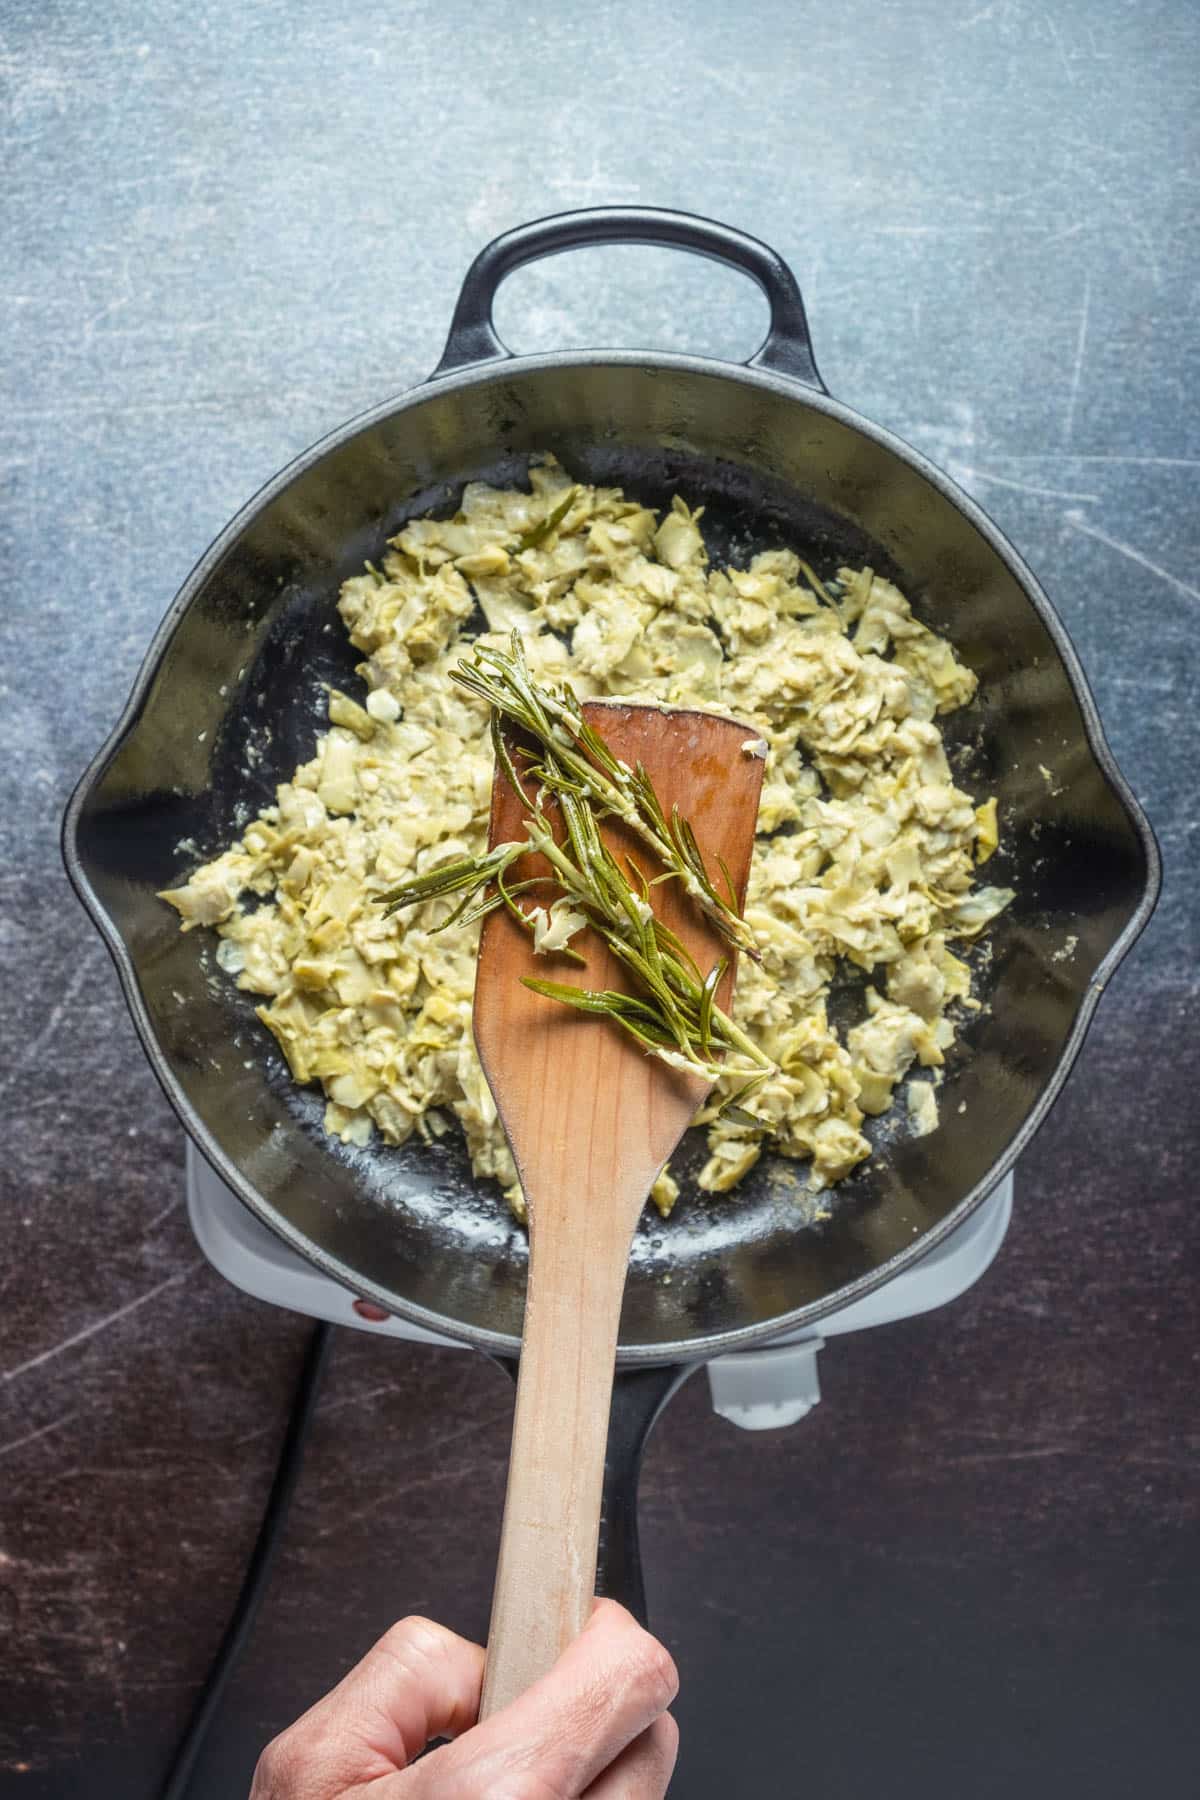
689 1028
468 873
572 750
674 1014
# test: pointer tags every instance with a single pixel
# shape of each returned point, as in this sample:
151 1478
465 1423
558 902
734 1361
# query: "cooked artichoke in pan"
867 852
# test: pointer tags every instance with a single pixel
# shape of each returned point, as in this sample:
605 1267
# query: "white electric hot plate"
759 1389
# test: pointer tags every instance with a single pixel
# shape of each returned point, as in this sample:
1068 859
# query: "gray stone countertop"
974 1570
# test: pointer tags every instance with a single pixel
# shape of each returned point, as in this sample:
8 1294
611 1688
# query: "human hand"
595 1728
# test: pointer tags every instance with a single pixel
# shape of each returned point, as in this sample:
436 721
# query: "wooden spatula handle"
591 1120
546 1575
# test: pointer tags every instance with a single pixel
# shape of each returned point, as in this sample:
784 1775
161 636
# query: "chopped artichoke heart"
665 1193
922 1107
347 712
987 834
337 785
841 688
554 929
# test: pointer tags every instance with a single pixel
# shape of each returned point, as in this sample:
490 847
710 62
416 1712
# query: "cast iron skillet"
230 698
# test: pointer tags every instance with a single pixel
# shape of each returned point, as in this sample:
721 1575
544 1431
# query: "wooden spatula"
591 1120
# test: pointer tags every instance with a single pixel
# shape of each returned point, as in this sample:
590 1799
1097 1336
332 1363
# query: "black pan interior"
236 700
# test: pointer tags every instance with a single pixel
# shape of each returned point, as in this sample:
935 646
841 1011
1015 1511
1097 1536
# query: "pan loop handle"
786 349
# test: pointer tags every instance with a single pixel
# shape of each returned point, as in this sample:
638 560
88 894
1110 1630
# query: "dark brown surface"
975 1569
975 1564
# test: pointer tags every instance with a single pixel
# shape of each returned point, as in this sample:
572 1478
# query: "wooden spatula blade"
546 1064
591 1119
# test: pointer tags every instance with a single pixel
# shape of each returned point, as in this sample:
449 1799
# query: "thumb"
419 1681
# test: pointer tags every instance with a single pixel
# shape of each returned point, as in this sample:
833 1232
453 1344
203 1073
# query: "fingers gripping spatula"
591 1119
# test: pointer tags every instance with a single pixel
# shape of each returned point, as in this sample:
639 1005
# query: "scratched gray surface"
227 227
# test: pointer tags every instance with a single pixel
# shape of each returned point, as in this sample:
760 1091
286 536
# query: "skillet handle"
786 349
640 1397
